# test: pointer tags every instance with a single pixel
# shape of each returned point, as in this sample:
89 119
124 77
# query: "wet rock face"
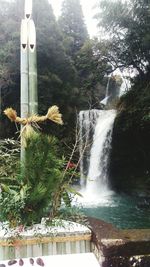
101 229
129 158
120 248
143 261
130 154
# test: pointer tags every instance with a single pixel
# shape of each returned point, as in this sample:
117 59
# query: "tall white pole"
24 75
29 97
33 95
24 70
28 66
28 9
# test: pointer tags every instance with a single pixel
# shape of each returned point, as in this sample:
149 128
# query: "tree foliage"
73 27
127 41
127 25
38 187
91 73
69 70
56 73
9 158
10 15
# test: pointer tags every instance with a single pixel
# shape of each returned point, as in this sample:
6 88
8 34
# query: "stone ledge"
111 242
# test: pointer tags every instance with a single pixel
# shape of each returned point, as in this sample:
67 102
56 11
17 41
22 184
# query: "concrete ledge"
42 240
72 260
113 246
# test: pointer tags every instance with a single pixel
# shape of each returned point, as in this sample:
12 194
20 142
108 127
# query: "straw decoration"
11 114
53 114
26 133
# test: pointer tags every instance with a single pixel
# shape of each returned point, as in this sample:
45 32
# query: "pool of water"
123 211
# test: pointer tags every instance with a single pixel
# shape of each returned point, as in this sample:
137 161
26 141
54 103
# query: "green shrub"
9 158
39 187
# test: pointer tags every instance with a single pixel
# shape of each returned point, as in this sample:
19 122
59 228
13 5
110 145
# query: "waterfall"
107 87
98 156
87 121
125 86
105 100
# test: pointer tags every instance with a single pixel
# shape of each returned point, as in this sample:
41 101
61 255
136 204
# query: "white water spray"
87 122
125 86
97 176
107 96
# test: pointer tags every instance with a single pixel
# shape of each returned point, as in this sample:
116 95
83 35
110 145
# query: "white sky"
88 11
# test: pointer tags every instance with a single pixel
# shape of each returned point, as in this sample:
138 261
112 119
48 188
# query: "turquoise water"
122 211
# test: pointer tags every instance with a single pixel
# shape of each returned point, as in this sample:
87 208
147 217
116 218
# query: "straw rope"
45 240
53 114
32 122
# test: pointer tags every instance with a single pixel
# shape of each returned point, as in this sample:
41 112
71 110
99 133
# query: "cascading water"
105 100
98 200
125 86
97 167
87 121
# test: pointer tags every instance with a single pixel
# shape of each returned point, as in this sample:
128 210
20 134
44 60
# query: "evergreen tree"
56 73
10 17
73 27
91 73
38 188
83 52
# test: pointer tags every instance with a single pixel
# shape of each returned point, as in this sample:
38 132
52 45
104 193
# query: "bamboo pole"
24 70
33 95
28 9
24 76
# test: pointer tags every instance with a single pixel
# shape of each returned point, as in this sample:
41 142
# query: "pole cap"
28 9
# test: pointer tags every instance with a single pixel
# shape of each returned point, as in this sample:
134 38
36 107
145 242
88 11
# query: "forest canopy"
73 71
70 72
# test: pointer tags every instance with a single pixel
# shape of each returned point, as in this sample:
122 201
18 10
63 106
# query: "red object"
70 165
20 228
